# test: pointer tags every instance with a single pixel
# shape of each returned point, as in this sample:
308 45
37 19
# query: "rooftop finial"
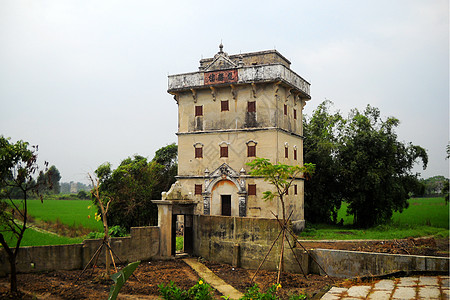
221 47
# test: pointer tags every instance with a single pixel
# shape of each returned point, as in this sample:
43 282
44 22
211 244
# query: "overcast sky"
87 80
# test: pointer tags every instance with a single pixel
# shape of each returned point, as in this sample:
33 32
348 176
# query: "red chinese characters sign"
225 76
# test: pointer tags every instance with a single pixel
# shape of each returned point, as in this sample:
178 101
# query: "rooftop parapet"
243 75
247 68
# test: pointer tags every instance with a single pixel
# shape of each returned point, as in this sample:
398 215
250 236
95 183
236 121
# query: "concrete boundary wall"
243 242
340 263
142 244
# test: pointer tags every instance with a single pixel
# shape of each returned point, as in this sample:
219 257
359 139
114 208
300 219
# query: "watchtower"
233 109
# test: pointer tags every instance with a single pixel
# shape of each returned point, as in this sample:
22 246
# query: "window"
251 150
252 189
295 153
198 189
285 110
223 151
224 105
199 152
198 110
251 106
286 152
295 189
295 114
287 192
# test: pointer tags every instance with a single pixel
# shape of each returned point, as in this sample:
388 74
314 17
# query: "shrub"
200 291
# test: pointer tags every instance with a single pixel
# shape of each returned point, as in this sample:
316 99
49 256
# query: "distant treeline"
434 186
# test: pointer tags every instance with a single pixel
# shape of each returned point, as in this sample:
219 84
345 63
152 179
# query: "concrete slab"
407 281
211 278
429 292
359 291
384 285
428 280
380 295
404 293
329 296
337 290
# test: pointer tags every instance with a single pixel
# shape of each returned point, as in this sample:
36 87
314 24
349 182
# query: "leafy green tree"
52 177
133 185
168 158
281 176
376 167
323 195
18 164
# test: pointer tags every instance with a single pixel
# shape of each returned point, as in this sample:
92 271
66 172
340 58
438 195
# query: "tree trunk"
13 274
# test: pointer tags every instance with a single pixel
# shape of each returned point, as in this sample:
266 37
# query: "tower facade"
233 109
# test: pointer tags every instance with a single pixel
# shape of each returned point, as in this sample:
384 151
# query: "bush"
200 291
114 231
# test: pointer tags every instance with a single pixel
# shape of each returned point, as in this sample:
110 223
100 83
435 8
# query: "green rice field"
69 212
423 217
36 238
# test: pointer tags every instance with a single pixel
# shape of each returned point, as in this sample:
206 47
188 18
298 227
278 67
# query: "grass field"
423 217
69 212
35 238
421 211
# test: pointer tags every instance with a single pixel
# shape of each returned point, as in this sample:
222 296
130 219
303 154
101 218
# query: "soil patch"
63 285
410 246
291 284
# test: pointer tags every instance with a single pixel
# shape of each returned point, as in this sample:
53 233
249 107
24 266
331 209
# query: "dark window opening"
295 154
198 110
252 189
198 189
223 151
199 152
251 150
285 110
286 152
251 106
295 189
224 105
295 114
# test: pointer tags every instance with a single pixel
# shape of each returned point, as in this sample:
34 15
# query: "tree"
281 176
323 195
52 177
168 158
18 164
134 184
376 168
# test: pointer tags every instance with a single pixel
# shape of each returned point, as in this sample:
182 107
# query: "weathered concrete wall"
341 263
243 242
142 244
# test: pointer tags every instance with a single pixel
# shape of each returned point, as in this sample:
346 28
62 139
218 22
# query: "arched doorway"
224 199
225 192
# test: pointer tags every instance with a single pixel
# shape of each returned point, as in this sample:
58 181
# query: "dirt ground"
411 246
63 284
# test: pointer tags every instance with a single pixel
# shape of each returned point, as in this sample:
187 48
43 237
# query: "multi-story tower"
236 108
